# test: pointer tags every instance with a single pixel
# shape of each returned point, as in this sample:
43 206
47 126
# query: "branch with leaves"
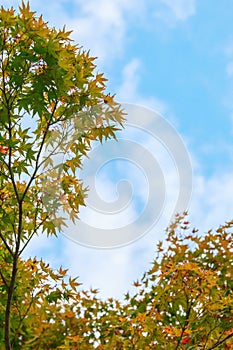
46 83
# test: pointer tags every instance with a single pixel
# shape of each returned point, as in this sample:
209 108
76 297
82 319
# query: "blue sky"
176 57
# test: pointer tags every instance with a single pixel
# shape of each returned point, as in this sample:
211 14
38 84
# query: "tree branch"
221 341
6 244
4 281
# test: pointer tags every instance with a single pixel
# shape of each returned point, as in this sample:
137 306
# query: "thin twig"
4 281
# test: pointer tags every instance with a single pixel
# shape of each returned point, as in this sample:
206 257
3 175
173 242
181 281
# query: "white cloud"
130 80
128 90
109 271
113 271
99 26
181 9
103 26
212 200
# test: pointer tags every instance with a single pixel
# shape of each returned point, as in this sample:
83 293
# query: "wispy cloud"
99 26
128 91
180 9
113 271
212 200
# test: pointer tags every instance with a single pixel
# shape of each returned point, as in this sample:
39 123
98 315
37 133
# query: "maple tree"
51 100
185 301
50 96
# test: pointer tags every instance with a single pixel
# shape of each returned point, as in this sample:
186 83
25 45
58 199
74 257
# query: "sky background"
175 57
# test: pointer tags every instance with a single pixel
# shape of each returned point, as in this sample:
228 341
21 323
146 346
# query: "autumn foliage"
185 301
52 101
52 97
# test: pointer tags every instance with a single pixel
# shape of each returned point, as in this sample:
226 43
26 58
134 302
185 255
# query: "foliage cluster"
185 301
52 101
